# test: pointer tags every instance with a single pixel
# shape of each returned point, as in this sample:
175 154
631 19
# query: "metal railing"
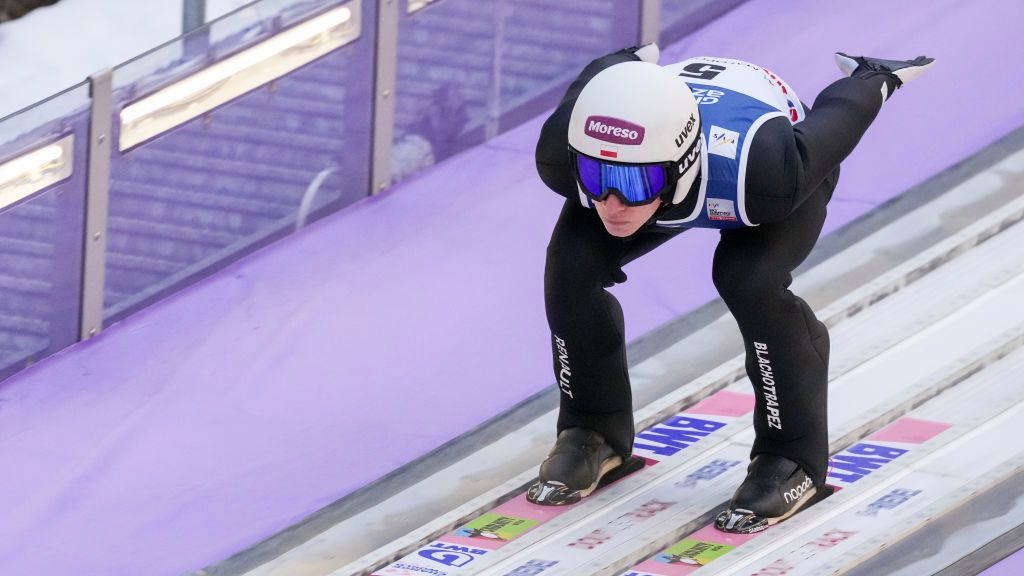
161 170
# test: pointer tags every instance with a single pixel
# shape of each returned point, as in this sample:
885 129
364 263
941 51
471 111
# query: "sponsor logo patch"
418 569
860 460
723 142
532 567
693 553
771 398
674 434
451 554
894 499
565 373
614 130
645 511
691 158
721 209
706 95
808 550
709 471
496 527
685 132
794 494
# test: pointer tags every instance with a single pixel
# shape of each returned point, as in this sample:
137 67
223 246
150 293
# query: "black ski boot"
897 72
580 462
775 488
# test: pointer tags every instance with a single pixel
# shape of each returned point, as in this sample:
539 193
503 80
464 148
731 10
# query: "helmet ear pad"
691 164
685 183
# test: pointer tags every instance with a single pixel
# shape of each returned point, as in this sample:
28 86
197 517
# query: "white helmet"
637 113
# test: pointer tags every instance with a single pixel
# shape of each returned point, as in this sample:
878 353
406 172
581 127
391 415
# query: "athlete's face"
622 220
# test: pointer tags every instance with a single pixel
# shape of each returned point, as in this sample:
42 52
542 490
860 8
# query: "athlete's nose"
613 203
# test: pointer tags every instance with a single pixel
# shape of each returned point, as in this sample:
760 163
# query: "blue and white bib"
735 98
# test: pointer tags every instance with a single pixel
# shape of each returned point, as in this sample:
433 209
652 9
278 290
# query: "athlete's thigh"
777 248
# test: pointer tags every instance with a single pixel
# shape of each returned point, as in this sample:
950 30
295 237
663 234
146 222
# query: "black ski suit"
791 173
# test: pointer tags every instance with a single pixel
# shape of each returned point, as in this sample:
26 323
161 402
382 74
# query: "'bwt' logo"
614 130
451 554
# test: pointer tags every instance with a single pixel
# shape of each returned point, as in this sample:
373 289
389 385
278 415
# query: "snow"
56 47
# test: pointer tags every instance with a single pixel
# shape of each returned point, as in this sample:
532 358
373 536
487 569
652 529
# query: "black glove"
617 277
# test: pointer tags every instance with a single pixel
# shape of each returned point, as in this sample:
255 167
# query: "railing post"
384 93
97 200
650 21
193 15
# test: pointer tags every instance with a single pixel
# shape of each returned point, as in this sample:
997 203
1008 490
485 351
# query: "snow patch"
55 47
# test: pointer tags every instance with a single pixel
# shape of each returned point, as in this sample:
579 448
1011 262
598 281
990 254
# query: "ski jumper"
768 169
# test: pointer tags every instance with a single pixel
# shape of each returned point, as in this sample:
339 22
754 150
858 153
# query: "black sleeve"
552 147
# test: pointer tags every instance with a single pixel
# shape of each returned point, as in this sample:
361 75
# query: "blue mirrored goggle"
634 184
